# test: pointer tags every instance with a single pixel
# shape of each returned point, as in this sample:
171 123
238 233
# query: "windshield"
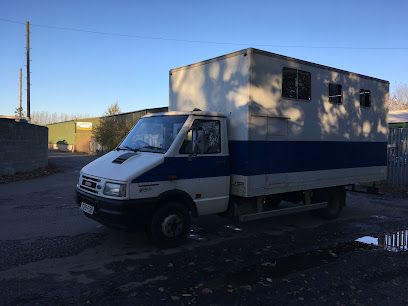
153 134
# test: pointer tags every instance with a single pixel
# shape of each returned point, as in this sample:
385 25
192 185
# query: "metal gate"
397 172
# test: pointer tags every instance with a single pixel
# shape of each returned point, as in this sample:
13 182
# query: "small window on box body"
289 83
296 84
335 93
365 98
304 85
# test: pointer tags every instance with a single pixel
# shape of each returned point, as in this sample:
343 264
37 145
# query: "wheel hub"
172 226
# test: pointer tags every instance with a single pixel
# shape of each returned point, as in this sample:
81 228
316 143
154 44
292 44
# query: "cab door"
205 151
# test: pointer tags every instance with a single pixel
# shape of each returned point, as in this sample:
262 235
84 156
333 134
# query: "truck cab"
169 167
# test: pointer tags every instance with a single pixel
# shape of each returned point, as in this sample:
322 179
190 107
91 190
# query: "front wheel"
336 200
170 225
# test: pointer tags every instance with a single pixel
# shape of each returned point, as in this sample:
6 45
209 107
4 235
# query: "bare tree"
399 99
19 113
44 117
113 109
401 93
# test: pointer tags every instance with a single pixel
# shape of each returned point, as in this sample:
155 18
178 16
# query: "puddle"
379 217
196 237
233 227
283 266
392 242
197 234
368 240
385 217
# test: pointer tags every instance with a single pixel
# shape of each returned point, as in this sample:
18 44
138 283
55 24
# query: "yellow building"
76 135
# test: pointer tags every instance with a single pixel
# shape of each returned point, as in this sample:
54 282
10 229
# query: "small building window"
365 98
296 84
335 93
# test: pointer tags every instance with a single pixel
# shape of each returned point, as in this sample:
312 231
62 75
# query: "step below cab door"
205 154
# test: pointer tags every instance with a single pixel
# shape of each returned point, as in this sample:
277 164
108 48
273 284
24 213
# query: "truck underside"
326 202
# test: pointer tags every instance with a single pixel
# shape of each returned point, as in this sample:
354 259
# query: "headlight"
115 190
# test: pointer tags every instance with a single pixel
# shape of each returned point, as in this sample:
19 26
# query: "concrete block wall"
23 146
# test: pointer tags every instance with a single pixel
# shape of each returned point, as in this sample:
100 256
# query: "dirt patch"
25 252
21 176
398 191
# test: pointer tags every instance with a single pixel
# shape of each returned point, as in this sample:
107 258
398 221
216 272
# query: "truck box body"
281 144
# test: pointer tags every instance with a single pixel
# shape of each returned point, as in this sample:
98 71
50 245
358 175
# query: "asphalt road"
50 253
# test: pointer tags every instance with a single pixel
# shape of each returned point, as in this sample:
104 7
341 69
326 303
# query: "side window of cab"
204 137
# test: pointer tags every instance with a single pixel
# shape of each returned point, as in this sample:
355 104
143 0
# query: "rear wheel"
335 198
170 225
272 201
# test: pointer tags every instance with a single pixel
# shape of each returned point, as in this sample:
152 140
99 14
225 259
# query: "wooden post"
28 68
20 107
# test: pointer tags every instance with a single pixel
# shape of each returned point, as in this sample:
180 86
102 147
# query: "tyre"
272 201
170 225
336 200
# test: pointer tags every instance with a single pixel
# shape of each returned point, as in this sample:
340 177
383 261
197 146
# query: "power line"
72 29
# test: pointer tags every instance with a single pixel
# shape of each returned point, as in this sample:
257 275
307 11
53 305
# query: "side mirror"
188 146
191 143
189 135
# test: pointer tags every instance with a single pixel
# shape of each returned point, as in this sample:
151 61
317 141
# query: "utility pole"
20 109
28 68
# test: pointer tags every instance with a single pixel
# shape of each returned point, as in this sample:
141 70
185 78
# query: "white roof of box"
271 54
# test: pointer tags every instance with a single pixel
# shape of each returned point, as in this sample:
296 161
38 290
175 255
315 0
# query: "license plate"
89 209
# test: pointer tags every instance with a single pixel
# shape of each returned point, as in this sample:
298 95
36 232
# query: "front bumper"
135 213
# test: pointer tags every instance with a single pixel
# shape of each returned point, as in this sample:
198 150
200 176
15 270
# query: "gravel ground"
51 254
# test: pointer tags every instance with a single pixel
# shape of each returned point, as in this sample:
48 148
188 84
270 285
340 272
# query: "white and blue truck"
245 132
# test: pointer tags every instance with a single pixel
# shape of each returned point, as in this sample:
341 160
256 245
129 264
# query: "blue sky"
79 72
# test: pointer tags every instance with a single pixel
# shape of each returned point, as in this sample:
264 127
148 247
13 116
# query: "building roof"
146 110
397 116
7 117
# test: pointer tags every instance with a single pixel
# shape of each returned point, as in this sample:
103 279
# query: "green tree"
112 128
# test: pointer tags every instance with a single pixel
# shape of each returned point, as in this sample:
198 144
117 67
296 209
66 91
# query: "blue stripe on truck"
269 157
184 168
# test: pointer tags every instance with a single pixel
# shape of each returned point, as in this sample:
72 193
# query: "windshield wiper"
161 150
125 148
